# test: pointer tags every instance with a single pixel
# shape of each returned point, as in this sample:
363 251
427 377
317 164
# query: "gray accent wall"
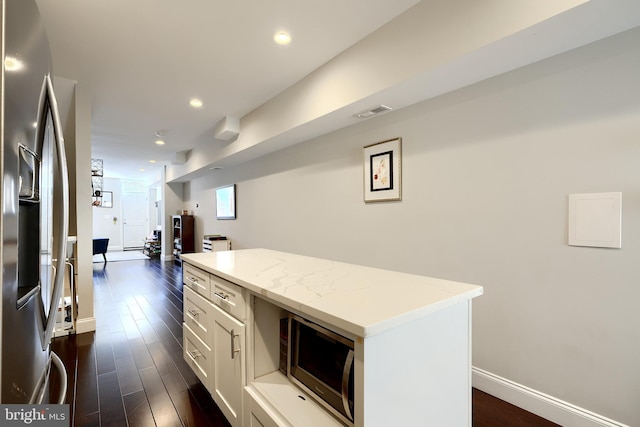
486 174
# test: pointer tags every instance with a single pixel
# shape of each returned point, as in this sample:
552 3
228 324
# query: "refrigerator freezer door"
30 281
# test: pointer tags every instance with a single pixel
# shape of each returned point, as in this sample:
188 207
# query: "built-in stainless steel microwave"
321 363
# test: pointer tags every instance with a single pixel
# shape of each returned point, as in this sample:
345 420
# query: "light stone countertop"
361 300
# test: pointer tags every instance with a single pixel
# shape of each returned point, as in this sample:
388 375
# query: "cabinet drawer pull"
193 312
194 354
225 301
221 295
233 340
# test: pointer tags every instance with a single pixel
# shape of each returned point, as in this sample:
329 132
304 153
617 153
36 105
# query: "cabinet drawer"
197 355
196 279
229 297
197 315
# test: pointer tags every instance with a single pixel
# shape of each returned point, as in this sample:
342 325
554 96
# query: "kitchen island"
411 337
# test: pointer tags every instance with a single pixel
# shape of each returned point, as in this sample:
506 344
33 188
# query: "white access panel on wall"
595 219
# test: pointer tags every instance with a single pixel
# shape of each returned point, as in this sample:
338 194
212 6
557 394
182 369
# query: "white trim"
85 325
539 403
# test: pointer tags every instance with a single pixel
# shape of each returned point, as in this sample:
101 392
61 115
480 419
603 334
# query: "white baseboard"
87 324
541 404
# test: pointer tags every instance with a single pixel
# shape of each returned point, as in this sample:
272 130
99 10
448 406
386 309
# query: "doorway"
134 220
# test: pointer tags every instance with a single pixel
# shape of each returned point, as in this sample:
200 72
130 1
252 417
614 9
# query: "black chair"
100 247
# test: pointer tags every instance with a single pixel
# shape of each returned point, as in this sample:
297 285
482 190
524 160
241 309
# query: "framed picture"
226 202
104 200
107 199
382 171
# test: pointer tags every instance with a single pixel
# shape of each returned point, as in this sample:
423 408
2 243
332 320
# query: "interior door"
134 220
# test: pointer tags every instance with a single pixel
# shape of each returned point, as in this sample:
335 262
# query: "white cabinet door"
228 365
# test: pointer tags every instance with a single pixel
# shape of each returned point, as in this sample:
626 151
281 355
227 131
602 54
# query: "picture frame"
382 166
226 202
104 200
107 199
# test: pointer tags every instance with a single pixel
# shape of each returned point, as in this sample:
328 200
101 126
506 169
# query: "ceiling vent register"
372 112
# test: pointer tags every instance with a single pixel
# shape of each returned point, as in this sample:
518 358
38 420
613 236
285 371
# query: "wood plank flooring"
130 372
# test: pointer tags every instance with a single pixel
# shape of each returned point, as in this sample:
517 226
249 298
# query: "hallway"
131 372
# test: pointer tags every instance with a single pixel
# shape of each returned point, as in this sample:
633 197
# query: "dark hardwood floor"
130 372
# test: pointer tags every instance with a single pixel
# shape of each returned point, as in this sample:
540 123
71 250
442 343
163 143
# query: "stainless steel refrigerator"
34 220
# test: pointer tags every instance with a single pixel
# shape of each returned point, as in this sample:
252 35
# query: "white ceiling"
143 60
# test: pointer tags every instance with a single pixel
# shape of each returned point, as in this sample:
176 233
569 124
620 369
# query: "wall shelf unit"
183 235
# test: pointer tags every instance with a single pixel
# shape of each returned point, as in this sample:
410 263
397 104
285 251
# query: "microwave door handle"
346 373
63 222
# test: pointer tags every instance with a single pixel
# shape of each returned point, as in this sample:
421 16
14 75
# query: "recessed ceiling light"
141 169
282 38
159 137
152 161
195 103
13 64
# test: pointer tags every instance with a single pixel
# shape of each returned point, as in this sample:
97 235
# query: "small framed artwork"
382 171
226 202
107 199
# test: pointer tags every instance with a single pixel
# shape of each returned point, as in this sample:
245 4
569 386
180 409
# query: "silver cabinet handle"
233 349
224 297
221 295
193 282
194 354
193 312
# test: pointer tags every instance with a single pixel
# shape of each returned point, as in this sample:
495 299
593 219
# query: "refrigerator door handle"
63 377
43 382
62 226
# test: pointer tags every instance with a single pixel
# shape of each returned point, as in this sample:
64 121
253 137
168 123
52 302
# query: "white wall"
104 225
486 174
74 101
